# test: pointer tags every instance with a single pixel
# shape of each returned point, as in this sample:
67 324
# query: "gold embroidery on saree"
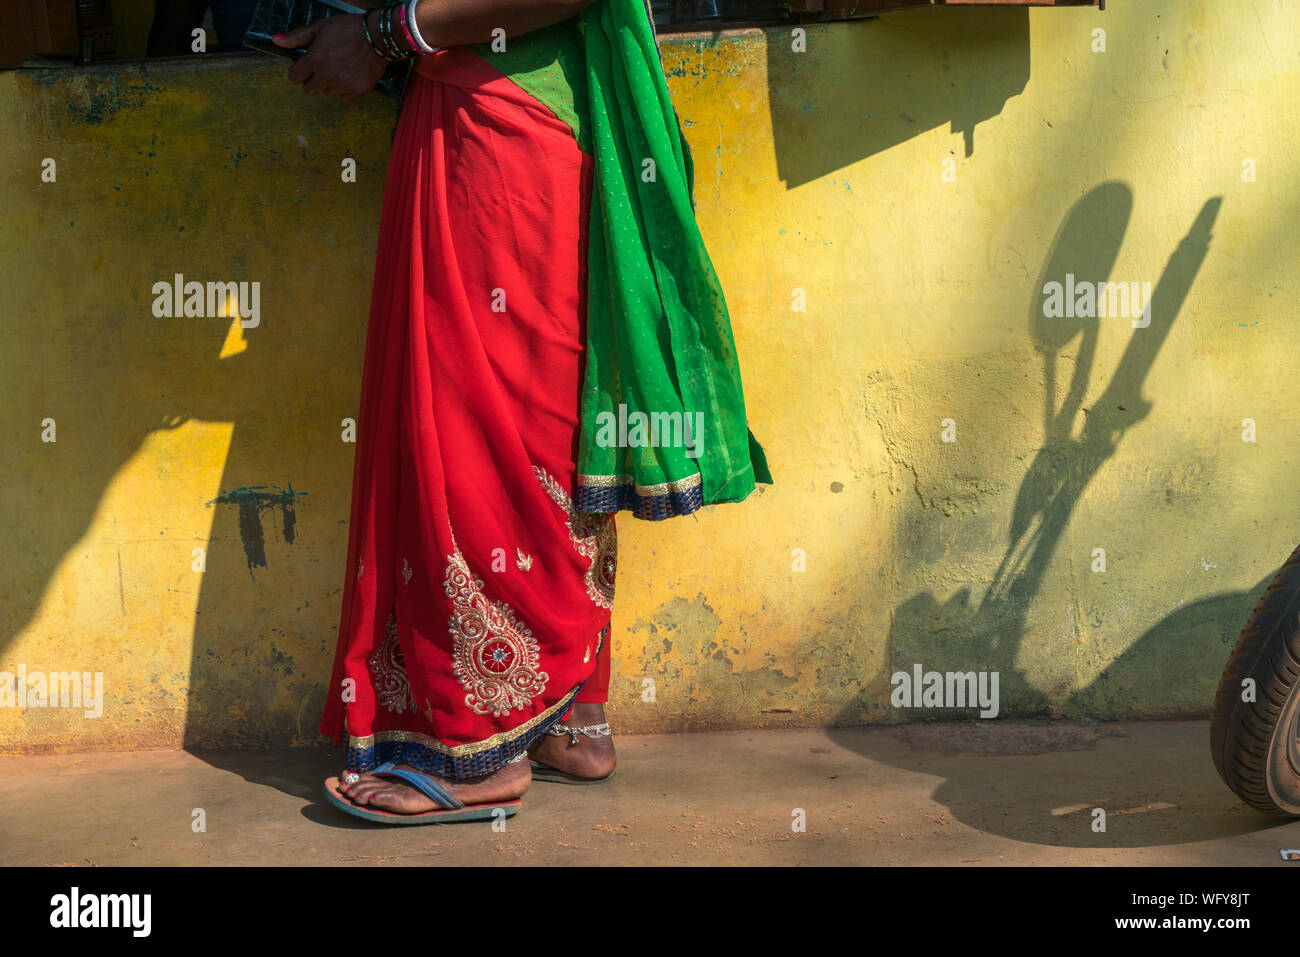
494 656
388 670
593 535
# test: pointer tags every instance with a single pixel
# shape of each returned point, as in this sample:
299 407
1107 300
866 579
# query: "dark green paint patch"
252 502
114 94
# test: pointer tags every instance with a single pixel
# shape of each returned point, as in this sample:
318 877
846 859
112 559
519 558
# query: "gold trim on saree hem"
459 750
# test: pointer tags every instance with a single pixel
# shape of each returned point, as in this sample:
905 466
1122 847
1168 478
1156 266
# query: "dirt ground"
979 793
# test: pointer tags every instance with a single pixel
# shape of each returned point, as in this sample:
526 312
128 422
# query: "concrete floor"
975 793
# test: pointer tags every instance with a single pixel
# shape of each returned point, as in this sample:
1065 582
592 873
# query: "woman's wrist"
394 34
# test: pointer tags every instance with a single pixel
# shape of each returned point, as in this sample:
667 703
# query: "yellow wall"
820 171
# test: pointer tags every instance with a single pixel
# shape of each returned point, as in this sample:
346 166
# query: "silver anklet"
601 730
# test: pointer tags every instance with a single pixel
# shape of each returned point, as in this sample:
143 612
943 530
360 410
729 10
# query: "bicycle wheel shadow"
1062 773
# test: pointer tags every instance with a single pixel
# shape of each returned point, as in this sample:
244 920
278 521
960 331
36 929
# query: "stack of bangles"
386 43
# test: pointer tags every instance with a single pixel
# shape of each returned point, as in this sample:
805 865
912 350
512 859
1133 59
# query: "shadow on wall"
1190 645
909 72
170 179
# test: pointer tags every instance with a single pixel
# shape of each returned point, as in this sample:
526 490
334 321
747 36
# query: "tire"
1256 745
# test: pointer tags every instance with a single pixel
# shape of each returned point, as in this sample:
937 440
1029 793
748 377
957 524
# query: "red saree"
476 605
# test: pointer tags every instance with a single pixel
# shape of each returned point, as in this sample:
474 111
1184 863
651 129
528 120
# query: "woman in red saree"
475 621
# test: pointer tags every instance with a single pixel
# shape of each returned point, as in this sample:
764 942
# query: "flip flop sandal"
544 772
451 808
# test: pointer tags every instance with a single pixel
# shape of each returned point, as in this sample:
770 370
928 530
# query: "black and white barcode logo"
76 909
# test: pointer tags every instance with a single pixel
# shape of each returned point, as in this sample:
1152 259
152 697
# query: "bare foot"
392 794
590 758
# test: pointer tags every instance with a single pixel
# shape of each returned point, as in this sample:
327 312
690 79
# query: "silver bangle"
415 30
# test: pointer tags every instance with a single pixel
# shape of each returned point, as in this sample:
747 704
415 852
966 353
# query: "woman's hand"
338 62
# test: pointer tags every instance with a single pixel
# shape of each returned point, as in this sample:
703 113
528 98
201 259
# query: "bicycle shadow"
957 635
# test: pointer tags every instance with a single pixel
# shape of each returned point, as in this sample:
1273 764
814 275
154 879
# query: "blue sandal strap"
422 783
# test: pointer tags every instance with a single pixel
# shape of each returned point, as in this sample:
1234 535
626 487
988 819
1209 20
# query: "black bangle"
365 25
386 30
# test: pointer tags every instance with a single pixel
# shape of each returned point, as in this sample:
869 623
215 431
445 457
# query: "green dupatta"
663 413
